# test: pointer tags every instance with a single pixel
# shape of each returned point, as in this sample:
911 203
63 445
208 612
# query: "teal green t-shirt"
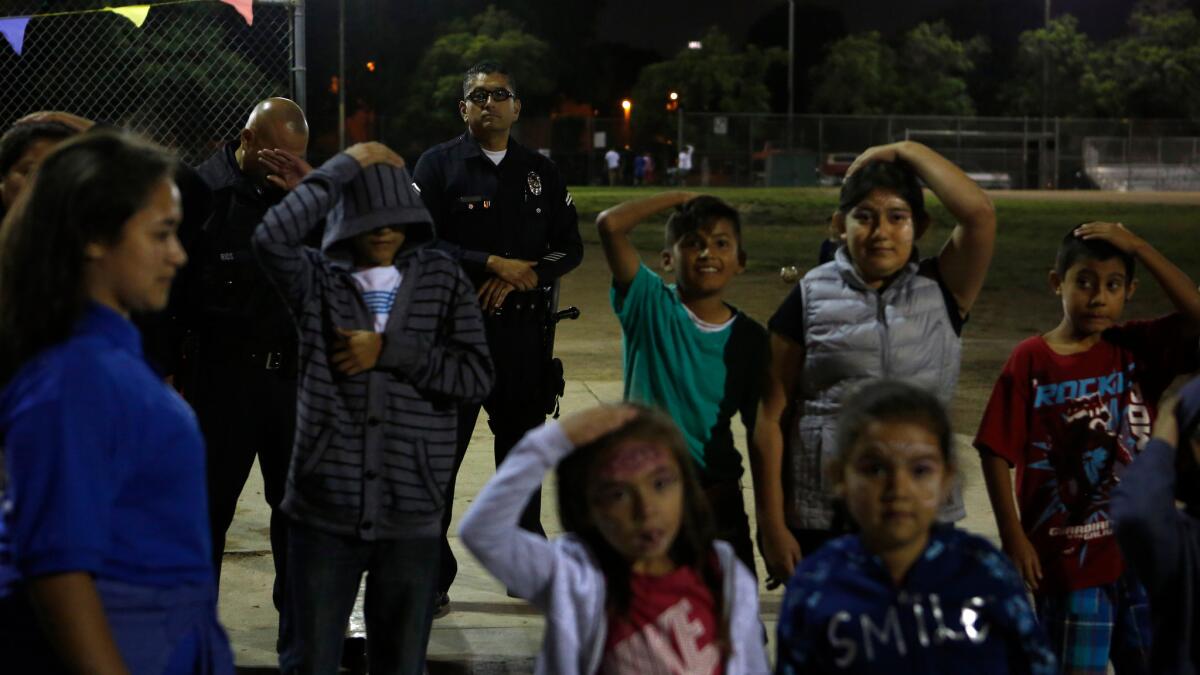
699 378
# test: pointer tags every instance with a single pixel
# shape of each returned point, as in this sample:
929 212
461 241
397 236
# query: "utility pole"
341 74
299 57
1045 99
792 67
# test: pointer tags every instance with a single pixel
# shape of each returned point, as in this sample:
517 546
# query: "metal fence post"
299 57
820 139
750 148
341 74
1057 151
679 130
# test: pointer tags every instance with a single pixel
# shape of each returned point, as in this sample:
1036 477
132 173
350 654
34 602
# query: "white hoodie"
562 578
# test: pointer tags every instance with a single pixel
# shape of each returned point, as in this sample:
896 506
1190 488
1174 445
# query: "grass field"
784 227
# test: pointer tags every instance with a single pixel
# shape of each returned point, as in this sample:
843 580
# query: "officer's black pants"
245 410
516 342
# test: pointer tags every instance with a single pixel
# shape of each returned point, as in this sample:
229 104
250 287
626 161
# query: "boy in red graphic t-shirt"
1070 410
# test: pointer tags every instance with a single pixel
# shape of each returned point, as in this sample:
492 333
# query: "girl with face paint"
904 593
638 583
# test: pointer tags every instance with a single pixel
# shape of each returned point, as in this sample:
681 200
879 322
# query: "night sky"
666 25
600 46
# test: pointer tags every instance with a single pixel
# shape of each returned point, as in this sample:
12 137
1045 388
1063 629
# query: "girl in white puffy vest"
877 310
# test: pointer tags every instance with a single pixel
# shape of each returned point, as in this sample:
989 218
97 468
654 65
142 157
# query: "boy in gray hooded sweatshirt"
391 340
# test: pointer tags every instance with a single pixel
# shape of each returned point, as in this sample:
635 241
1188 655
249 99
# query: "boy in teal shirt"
687 351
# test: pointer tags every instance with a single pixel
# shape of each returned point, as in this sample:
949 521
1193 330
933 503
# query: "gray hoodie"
562 578
373 452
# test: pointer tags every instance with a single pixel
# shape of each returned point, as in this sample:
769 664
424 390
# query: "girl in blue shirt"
105 518
904 594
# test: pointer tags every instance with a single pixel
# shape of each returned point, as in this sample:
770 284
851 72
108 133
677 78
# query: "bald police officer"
504 212
239 368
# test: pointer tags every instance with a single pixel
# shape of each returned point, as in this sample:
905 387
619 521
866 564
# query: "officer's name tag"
475 201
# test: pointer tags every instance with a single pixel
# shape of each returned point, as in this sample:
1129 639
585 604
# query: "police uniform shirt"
223 294
519 208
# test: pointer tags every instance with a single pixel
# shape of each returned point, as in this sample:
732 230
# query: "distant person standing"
685 164
612 159
639 170
503 211
649 178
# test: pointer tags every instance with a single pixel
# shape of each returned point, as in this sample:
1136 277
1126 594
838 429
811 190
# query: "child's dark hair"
693 546
700 213
897 176
17 140
891 401
85 191
1073 249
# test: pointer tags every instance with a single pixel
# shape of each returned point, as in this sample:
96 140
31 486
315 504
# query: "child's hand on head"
1114 233
374 152
878 153
585 426
357 351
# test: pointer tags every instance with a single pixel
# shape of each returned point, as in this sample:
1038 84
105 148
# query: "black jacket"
519 209
223 298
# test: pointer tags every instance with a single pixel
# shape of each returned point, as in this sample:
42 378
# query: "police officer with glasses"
503 211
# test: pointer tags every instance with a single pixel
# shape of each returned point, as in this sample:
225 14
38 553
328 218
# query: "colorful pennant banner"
13 27
135 13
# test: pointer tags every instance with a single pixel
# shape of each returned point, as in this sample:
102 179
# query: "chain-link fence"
1133 164
757 149
186 78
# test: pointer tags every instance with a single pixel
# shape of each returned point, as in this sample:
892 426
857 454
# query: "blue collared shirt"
105 465
961 609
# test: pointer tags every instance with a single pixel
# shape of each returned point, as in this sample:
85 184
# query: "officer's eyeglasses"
480 96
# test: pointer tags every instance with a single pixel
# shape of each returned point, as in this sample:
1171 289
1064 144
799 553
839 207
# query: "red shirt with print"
671 627
1070 424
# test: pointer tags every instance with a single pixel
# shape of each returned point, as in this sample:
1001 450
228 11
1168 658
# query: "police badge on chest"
534 182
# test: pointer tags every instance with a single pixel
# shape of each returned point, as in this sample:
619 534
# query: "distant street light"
674 96
627 106
695 44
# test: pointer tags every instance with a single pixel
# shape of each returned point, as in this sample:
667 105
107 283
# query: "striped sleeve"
278 241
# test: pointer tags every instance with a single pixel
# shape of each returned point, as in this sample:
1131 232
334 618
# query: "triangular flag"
244 8
13 28
135 13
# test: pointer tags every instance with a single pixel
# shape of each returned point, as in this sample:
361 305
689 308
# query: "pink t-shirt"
671 627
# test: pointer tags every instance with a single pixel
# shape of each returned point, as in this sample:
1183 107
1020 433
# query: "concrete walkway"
486 631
